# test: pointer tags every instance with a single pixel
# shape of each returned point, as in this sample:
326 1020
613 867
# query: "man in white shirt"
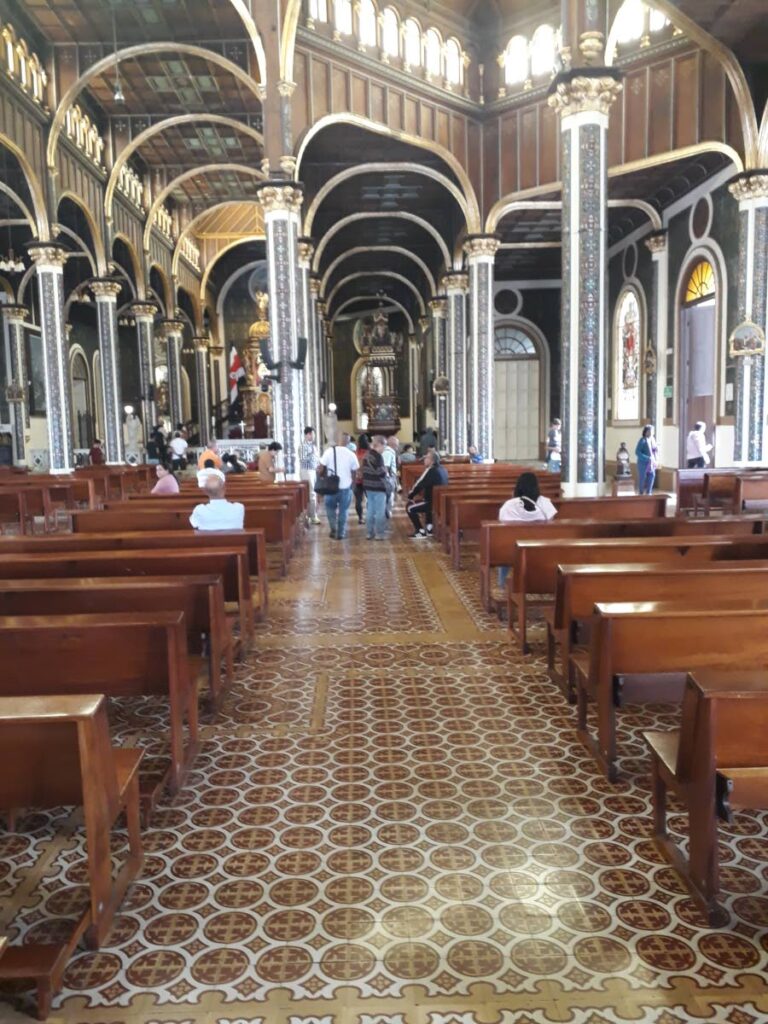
390 462
178 448
218 514
696 448
341 461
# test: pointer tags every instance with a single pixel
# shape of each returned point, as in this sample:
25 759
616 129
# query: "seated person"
166 481
528 505
212 453
218 513
407 454
230 463
434 475
474 454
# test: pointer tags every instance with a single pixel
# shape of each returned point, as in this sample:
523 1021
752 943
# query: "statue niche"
376 395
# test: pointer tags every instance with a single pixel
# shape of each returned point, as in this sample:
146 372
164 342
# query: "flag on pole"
236 371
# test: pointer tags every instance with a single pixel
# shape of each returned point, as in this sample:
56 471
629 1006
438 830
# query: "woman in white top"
528 505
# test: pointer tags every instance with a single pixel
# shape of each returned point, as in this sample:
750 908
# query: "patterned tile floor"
391 823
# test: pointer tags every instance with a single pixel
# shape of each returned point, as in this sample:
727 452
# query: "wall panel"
359 96
529 145
635 115
459 138
509 154
660 100
686 100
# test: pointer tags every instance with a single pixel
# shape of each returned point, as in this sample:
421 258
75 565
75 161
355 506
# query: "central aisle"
392 823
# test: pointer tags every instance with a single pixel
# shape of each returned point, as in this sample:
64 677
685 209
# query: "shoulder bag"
327 482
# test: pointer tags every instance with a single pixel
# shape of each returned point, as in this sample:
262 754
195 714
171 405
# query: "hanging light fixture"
118 95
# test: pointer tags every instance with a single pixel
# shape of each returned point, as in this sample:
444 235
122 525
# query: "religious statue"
623 470
133 437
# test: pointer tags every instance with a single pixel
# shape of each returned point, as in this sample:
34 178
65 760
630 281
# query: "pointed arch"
379 215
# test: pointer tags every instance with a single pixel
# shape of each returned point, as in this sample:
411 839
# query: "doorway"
82 418
517 396
698 352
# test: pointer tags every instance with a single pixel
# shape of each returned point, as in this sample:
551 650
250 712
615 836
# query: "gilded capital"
424 323
286 88
581 93
438 306
657 242
321 307
14 312
752 185
280 197
106 288
144 310
481 245
169 329
201 342
592 46
306 251
314 287
456 281
47 255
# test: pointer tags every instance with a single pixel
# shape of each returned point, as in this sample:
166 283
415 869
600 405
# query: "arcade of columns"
462 315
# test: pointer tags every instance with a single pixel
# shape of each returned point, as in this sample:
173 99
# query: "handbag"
328 483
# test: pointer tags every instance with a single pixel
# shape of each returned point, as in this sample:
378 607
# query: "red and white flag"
236 371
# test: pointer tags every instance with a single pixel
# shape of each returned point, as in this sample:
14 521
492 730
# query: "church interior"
496 771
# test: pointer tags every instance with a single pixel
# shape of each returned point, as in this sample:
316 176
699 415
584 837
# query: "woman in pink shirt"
166 481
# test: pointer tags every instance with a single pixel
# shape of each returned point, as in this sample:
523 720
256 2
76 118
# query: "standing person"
390 464
218 513
427 440
363 446
554 446
267 465
647 454
96 454
178 448
696 448
308 459
157 450
374 472
340 460
346 439
431 477
167 484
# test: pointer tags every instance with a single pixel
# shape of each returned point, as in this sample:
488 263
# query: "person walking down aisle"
363 446
696 448
433 476
647 454
308 459
339 460
374 484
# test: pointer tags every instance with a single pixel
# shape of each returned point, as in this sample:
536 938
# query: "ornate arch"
215 259
379 215
189 229
380 273
167 296
99 252
137 265
362 298
40 226
379 248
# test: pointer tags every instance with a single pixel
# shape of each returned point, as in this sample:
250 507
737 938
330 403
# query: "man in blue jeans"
340 460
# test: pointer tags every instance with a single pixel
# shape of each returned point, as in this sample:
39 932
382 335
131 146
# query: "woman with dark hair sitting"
528 505
167 484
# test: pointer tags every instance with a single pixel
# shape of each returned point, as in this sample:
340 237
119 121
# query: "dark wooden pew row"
231 566
200 598
501 490
715 763
534 563
411 471
122 654
497 540
466 516
56 751
639 650
260 494
580 587
13 508
249 483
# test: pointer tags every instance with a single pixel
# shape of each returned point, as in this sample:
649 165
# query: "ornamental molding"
14 312
286 88
457 281
656 242
201 342
750 186
314 287
482 245
305 253
144 310
48 256
167 329
585 93
424 323
106 288
592 46
280 197
438 306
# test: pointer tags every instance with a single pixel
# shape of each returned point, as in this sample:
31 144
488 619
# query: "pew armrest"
664 747
741 787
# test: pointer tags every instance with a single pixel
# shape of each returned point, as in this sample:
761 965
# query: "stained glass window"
543 51
453 62
390 33
434 48
367 23
701 283
512 343
516 61
627 354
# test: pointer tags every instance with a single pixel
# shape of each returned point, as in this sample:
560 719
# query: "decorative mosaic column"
439 309
314 362
414 372
751 192
281 203
456 285
203 389
481 252
144 314
583 99
106 291
18 379
172 332
49 259
305 330
656 357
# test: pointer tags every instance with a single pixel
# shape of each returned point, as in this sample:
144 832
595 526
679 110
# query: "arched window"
516 61
412 43
543 51
630 22
390 33
513 343
453 62
701 283
627 357
367 23
657 20
342 16
318 10
434 52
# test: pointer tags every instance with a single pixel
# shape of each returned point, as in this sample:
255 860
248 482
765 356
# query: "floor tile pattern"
391 822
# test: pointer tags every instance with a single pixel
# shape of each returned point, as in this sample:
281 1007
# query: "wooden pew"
497 540
715 762
719 490
580 587
230 565
200 598
502 489
635 644
123 654
750 486
13 508
56 751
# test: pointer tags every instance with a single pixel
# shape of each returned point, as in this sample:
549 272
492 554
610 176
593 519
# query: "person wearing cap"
218 513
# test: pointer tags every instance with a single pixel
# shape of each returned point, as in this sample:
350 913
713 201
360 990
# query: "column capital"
424 323
656 243
48 255
438 306
306 252
322 308
750 186
314 286
216 349
286 88
12 311
455 281
105 288
481 246
278 196
201 342
169 328
585 90
144 310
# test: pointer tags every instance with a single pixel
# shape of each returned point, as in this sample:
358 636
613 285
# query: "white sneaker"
419 535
